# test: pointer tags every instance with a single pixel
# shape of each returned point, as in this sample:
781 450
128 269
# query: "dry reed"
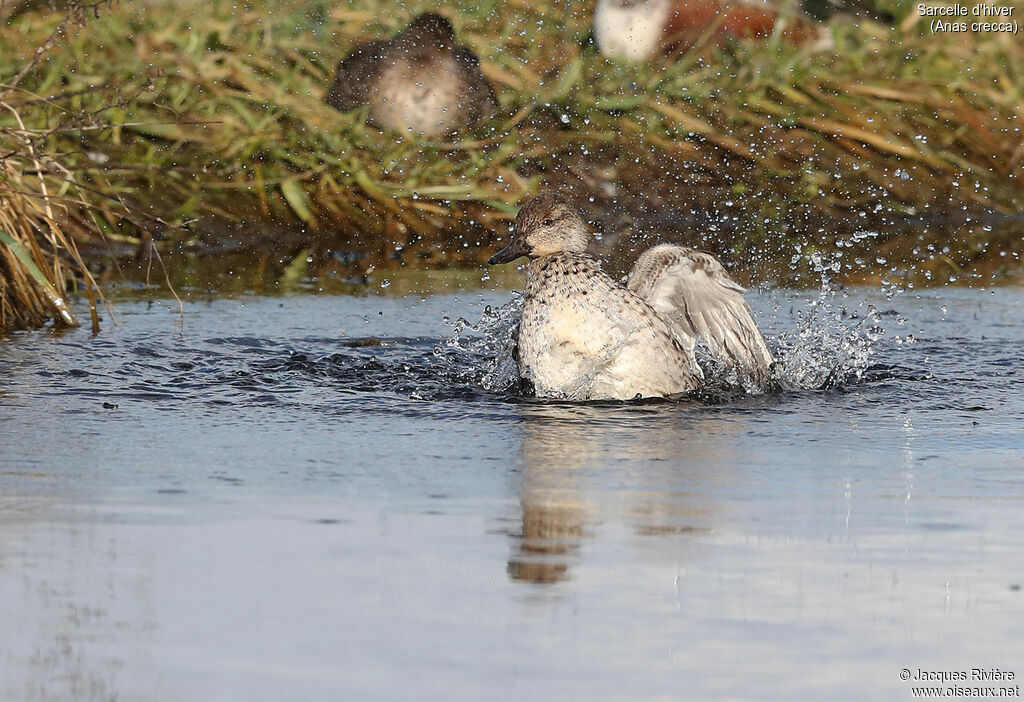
40 200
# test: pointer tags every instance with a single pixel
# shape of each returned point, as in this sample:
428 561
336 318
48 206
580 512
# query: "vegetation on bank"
214 112
32 274
40 198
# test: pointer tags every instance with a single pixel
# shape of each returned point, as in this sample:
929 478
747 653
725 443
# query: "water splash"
489 348
829 348
826 345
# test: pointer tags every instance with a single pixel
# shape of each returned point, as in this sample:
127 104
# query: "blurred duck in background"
638 29
418 82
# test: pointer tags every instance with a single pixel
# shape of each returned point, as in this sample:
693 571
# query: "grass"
208 119
38 258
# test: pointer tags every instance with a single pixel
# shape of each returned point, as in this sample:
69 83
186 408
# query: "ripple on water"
819 345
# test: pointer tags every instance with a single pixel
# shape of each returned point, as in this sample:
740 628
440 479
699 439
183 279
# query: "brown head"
545 225
426 33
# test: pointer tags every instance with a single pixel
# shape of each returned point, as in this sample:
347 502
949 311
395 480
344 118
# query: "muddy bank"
915 256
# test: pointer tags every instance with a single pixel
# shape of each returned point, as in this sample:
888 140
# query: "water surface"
319 497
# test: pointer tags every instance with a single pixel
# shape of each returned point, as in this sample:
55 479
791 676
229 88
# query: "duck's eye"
548 222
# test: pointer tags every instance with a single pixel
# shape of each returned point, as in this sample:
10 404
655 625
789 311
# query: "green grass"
218 116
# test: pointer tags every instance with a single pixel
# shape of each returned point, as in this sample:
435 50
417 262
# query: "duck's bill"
510 253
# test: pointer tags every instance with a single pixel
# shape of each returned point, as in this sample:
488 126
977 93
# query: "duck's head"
427 32
545 225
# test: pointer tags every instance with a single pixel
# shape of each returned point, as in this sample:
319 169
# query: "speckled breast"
583 337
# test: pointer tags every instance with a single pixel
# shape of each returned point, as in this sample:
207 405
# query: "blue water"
257 511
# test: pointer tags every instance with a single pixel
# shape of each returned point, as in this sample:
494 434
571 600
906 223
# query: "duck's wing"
486 101
691 290
355 74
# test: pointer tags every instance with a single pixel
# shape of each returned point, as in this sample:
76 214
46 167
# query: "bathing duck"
637 29
418 82
584 336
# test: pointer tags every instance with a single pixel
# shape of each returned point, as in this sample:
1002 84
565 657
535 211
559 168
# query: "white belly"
577 351
632 33
417 100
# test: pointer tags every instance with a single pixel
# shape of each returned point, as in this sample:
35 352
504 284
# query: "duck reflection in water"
650 465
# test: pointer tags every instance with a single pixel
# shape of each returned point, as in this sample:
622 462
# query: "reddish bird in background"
638 29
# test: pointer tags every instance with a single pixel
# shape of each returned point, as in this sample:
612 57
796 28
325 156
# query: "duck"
584 336
419 82
636 30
